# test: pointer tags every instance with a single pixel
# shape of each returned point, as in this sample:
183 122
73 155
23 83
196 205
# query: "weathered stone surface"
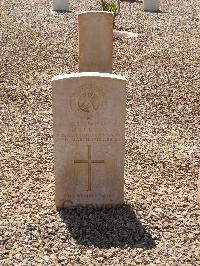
60 5
95 41
89 125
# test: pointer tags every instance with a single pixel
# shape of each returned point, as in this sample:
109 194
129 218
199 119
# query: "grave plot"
158 224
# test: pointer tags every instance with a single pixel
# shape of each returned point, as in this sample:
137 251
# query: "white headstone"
60 5
89 134
95 41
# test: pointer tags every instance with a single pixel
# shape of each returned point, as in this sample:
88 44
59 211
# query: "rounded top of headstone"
95 13
88 74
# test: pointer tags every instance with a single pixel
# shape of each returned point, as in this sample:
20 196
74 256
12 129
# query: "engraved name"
90 137
70 196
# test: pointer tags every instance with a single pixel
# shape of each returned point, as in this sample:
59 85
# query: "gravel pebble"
159 224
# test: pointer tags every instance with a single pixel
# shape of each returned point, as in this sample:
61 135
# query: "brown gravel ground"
159 225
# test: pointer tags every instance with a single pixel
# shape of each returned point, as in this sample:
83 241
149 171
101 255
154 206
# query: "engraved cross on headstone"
89 161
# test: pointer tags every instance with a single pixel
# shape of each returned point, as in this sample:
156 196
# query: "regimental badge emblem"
87 101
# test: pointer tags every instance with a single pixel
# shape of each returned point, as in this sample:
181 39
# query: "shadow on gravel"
156 12
106 227
63 12
132 1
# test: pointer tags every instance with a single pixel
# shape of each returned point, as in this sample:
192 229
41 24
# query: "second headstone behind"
95 41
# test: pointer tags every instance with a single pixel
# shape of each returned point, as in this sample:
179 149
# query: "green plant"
111 7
